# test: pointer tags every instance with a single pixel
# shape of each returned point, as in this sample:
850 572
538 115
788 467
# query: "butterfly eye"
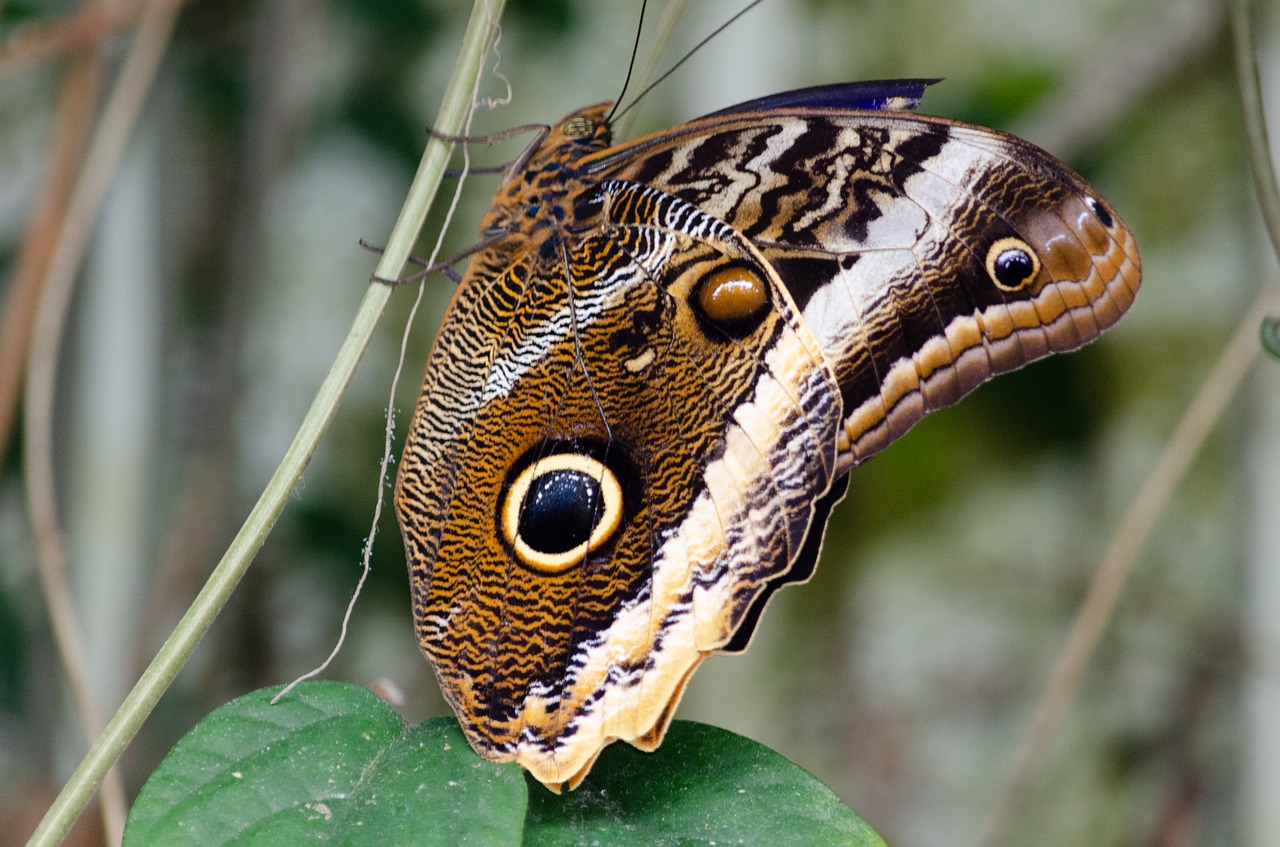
735 299
579 126
559 509
1012 264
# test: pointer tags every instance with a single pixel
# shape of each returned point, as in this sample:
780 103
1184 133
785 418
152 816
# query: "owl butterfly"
651 385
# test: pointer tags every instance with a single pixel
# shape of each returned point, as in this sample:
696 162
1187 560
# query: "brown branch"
94 23
77 105
82 208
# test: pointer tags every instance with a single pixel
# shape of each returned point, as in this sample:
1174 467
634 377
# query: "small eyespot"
734 298
1012 264
1100 212
559 509
579 126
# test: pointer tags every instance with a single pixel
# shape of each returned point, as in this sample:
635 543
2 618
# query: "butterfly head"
583 130
577 134
534 192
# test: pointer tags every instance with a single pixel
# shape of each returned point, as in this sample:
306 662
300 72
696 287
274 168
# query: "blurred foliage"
904 674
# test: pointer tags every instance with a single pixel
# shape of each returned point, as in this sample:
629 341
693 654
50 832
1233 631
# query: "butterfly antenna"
687 56
631 66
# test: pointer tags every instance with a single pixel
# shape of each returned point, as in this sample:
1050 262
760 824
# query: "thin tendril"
492 103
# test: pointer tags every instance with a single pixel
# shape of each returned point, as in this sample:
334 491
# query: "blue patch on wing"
880 94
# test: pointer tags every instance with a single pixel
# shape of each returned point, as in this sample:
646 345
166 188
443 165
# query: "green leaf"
703 786
334 764
330 763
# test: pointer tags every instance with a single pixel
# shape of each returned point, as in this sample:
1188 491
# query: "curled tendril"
1269 333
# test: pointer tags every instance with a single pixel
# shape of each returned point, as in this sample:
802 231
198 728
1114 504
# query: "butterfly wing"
644 402
607 467
926 256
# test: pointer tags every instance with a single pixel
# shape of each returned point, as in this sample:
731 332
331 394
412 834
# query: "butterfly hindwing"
600 365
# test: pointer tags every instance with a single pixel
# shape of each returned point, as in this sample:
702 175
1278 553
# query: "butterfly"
653 380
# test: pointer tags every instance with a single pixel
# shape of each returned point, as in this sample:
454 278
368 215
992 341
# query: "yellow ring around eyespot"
605 527
998 249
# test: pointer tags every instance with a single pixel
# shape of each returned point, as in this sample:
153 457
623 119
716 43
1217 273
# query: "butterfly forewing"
901 239
643 401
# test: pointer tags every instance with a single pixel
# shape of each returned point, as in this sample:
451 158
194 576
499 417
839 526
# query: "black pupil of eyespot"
1013 267
559 511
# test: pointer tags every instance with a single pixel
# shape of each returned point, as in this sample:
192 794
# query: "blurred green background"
225 271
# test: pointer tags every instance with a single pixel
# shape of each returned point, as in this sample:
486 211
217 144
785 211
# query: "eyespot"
579 126
1099 212
1012 264
559 509
734 298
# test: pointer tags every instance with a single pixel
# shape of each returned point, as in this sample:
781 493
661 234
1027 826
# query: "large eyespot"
1012 264
733 298
559 509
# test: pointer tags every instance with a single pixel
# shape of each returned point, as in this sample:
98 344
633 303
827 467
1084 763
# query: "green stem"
1255 122
158 676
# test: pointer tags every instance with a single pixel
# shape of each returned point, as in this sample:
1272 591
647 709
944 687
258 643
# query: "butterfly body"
647 393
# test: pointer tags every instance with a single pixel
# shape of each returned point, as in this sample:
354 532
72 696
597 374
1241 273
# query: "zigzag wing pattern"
646 396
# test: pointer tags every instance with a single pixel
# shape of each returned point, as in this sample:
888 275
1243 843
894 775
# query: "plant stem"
1255 122
156 679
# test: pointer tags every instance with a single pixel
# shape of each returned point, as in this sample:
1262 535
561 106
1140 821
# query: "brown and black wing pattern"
585 359
645 398
925 256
